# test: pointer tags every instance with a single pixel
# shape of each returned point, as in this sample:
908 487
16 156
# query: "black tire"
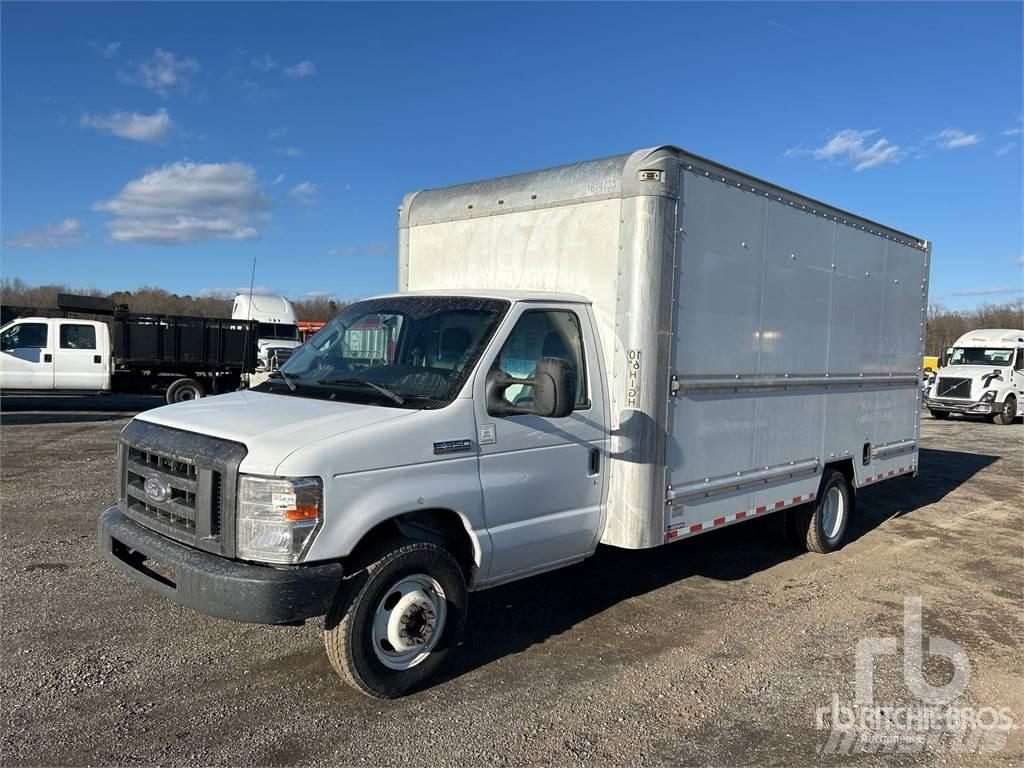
1009 412
348 630
184 390
808 523
940 415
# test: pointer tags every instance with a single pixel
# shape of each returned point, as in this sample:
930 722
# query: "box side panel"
798 340
570 249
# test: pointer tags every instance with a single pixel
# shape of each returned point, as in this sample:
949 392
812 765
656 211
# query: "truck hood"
969 371
270 426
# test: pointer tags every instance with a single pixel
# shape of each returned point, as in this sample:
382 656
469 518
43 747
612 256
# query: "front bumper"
960 406
214 585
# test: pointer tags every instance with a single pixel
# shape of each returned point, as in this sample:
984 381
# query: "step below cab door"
81 356
543 479
26 354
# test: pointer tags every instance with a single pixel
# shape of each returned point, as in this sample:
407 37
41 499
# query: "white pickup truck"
981 374
629 351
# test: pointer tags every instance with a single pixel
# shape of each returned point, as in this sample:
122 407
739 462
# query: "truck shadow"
21 410
510 619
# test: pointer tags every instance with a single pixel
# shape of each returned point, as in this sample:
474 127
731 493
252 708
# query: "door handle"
47 357
97 358
595 462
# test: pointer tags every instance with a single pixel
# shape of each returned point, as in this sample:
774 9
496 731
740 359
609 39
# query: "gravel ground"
713 651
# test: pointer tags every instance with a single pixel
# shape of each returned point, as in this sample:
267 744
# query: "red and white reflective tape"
682 530
891 473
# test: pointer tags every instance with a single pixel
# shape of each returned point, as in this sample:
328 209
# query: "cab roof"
1010 336
492 293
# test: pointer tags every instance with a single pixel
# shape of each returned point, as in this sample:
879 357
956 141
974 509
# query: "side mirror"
944 359
554 390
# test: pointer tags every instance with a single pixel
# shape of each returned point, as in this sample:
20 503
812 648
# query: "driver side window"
539 334
25 336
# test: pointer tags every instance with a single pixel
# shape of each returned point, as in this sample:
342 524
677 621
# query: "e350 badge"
453 446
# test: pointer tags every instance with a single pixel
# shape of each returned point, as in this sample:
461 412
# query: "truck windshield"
278 331
405 351
997 358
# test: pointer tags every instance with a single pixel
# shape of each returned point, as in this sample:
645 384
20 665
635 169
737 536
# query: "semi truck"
181 356
277 327
628 352
982 374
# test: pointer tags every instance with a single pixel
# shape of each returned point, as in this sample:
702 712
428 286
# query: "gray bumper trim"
214 585
962 407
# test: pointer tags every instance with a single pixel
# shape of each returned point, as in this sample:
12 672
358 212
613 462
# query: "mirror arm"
497 383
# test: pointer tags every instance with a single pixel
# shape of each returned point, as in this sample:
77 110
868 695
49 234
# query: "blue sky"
162 144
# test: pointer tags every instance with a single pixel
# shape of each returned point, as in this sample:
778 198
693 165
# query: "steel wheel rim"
408 621
833 511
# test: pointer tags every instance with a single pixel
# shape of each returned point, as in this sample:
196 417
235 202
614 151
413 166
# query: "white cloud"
1018 129
131 125
1006 149
278 180
302 69
187 203
849 146
1002 289
290 152
304 192
954 138
162 72
263 63
276 133
107 50
318 294
1020 261
67 232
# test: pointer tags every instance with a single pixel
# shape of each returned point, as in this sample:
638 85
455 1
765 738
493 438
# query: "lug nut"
404 633
428 629
404 619
430 615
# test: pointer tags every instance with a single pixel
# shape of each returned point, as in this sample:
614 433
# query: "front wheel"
395 622
1009 411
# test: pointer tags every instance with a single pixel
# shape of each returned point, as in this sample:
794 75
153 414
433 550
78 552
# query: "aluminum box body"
751 335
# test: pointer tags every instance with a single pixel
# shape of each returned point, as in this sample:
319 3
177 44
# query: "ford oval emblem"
157 489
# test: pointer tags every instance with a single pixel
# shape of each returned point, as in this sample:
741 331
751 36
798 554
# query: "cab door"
26 355
79 359
543 479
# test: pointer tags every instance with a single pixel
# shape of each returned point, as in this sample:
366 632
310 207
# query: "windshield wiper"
287 379
389 393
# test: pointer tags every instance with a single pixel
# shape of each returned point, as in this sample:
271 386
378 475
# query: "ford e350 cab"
629 351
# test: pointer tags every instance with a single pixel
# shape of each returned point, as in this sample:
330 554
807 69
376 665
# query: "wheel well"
845 466
439 526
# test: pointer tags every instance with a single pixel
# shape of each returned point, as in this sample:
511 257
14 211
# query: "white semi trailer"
628 351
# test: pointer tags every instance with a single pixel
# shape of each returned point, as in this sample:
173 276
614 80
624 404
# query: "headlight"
989 396
277 517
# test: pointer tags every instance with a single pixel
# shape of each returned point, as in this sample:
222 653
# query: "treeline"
945 326
149 299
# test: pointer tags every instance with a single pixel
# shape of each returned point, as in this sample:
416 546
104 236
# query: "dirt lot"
713 651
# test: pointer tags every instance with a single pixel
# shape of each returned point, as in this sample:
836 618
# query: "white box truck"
628 351
982 374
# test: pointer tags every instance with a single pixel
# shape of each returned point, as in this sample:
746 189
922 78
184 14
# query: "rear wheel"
940 415
183 390
1009 412
395 622
822 526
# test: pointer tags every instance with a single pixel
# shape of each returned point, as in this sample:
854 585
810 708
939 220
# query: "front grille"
278 356
948 386
198 476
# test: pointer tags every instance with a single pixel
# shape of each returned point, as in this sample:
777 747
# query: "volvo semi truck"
982 374
628 352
